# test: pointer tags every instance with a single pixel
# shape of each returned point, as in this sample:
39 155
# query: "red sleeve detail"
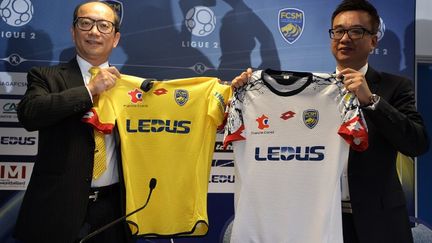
92 118
354 132
236 136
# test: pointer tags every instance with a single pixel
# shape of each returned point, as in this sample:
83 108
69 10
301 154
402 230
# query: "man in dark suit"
65 201
374 205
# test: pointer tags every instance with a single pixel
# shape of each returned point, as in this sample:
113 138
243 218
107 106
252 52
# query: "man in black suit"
65 201
374 205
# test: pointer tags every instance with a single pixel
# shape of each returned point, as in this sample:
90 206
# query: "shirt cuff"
372 106
91 96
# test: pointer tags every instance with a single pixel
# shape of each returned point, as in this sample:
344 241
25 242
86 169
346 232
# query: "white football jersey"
284 129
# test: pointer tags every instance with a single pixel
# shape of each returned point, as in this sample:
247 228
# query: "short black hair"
359 5
116 17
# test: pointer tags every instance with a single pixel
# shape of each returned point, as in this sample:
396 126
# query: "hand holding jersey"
104 80
355 82
242 79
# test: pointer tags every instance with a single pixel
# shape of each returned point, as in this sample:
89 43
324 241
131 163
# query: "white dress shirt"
110 175
344 178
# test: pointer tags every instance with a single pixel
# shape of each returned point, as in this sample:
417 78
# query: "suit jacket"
55 203
378 201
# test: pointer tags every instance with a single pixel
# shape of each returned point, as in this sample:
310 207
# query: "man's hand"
242 79
104 80
355 82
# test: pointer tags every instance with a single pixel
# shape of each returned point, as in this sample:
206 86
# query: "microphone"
152 185
146 85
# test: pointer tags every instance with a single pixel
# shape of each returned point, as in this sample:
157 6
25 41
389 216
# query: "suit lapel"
71 74
373 79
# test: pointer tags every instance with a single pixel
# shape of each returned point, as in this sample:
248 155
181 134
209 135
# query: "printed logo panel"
13 83
16 12
161 91
381 29
181 96
290 153
17 141
221 180
222 175
15 175
291 24
157 126
287 115
135 95
310 118
200 21
263 122
8 112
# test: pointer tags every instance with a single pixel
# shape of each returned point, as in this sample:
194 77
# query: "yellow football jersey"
167 133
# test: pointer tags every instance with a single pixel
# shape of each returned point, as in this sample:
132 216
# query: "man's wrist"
373 102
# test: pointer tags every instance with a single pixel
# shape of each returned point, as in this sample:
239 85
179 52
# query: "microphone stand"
152 185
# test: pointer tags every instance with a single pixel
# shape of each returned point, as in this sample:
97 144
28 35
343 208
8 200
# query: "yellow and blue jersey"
167 133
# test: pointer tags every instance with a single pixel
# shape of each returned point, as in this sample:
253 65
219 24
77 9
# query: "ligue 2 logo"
16 12
200 21
381 30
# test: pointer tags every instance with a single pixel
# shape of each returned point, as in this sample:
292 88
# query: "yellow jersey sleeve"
217 102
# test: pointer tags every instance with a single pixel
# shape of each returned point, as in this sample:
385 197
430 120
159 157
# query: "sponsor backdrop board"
175 39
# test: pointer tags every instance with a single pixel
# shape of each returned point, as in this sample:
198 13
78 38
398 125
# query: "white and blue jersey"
284 129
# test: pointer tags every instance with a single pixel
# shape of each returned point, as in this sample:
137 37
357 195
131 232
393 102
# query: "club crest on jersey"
181 96
136 95
310 118
117 6
291 23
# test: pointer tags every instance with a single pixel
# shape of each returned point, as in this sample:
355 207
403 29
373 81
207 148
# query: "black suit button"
88 179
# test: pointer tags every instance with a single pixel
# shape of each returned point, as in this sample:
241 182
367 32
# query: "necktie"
99 164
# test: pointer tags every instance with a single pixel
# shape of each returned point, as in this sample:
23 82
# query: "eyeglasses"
353 33
86 24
